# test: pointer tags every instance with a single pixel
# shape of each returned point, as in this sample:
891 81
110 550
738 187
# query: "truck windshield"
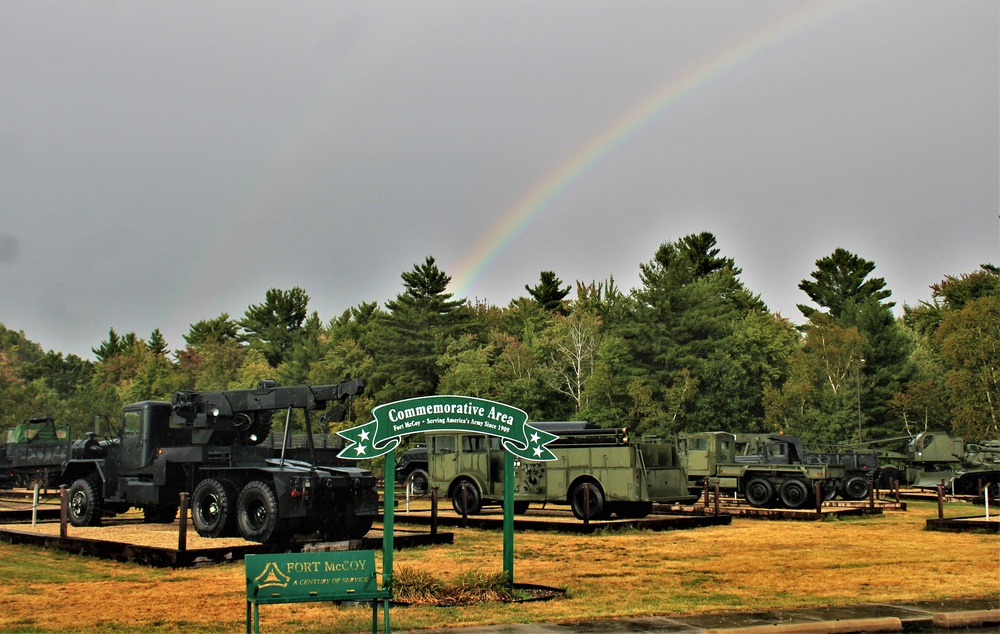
132 423
442 444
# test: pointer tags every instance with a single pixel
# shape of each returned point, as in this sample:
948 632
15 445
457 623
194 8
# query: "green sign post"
449 413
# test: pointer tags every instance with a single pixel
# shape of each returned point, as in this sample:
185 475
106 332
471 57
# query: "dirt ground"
751 565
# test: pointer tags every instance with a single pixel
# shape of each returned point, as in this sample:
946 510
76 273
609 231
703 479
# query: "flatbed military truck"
597 472
768 470
34 453
212 445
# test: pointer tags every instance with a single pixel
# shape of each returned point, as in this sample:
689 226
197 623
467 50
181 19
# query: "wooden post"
34 506
940 499
63 510
706 494
434 511
716 499
895 484
465 503
182 527
819 497
871 495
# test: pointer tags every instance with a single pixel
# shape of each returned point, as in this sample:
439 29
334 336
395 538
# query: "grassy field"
750 565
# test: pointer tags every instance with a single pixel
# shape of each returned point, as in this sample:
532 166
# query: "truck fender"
96 469
471 477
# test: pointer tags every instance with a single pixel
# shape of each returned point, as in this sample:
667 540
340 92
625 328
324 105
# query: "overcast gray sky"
165 162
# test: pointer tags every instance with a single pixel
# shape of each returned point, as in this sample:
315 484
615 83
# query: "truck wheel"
829 491
993 489
794 493
344 526
758 492
471 499
855 488
888 477
358 527
257 513
84 503
213 508
164 514
418 481
597 505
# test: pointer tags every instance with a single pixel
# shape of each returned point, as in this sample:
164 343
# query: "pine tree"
548 292
416 331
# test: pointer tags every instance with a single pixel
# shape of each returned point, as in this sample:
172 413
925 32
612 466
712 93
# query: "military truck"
34 452
212 445
934 456
597 472
766 469
412 467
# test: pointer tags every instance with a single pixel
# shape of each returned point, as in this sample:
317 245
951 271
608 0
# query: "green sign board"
319 576
289 578
446 413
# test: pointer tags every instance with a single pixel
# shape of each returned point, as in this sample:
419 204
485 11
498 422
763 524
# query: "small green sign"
446 413
289 578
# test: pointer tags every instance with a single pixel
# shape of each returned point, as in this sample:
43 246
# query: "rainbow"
513 222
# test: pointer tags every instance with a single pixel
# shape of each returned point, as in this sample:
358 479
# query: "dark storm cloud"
163 163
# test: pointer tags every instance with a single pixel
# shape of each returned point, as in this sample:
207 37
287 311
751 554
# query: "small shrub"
422 588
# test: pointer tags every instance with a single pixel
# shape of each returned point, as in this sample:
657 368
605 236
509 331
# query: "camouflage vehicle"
766 469
622 477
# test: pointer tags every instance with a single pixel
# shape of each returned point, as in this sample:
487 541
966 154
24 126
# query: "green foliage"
690 349
841 279
273 327
417 330
212 331
969 340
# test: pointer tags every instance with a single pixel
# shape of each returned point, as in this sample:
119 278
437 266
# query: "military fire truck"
597 472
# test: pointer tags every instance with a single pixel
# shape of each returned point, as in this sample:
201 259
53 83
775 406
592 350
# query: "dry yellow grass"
750 565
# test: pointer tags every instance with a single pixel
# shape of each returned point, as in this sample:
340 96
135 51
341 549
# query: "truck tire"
598 506
758 492
257 513
888 477
471 499
794 493
213 508
855 488
419 480
344 526
84 503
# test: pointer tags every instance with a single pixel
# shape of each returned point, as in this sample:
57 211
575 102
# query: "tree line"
690 349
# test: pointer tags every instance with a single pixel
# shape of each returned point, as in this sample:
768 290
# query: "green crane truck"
597 472
212 444
766 469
